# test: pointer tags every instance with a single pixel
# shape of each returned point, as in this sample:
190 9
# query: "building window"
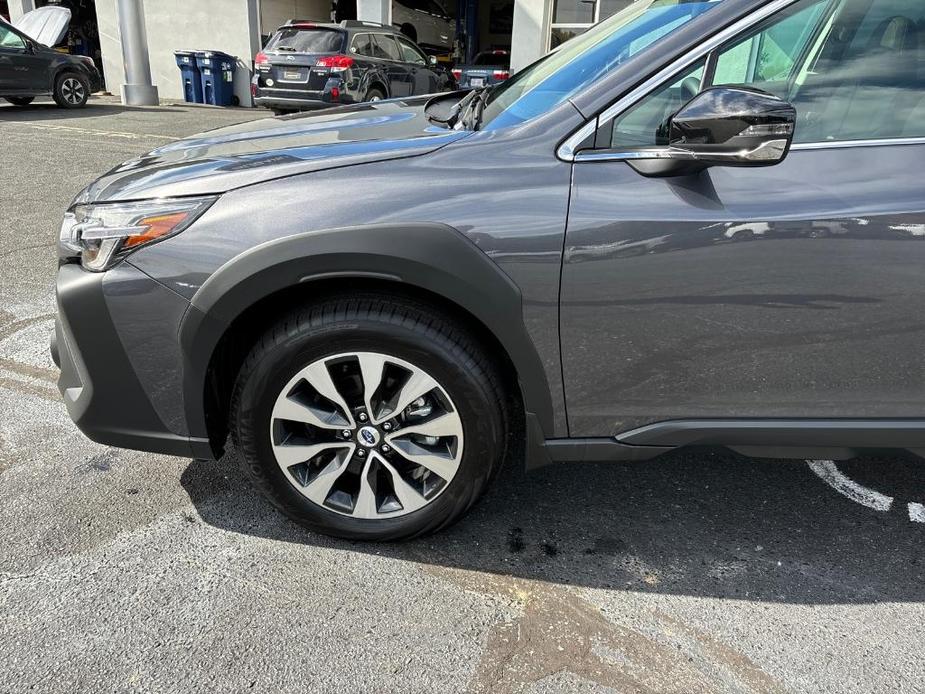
573 17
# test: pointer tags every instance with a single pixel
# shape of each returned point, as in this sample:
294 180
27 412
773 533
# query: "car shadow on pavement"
698 522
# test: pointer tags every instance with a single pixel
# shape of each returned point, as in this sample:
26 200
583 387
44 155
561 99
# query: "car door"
400 74
20 69
423 78
792 291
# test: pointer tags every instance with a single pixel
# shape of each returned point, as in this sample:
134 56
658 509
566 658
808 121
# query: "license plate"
292 75
476 82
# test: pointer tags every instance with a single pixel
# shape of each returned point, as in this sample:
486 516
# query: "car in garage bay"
426 23
308 66
488 67
30 68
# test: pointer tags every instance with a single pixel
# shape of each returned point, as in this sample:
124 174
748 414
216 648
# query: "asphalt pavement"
701 571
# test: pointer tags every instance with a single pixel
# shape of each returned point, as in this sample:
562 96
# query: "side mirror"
724 126
432 60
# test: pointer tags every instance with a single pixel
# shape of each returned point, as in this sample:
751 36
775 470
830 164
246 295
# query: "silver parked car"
425 22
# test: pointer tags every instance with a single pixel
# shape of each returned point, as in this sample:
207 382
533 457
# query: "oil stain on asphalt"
560 633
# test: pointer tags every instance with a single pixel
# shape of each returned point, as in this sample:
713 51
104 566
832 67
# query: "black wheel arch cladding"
431 257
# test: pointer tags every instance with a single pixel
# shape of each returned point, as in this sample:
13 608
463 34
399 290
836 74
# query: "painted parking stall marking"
828 472
114 134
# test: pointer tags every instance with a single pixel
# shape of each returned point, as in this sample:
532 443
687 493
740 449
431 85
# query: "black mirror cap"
734 126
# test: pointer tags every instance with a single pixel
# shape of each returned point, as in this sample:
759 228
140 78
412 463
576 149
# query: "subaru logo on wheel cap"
368 436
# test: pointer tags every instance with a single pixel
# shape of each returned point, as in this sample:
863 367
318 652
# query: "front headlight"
104 233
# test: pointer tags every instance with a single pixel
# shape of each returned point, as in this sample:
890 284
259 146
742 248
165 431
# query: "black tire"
282 111
374 94
20 100
400 327
71 90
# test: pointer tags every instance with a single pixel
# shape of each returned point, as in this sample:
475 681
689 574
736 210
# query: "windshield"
586 58
499 58
307 40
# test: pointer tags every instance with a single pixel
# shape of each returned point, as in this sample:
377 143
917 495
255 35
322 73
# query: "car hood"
258 151
47 25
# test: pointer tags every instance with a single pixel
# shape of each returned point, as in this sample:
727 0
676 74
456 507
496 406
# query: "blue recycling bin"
217 71
190 75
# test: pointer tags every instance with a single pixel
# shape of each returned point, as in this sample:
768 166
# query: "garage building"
528 28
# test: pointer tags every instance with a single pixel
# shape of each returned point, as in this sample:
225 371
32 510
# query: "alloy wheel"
73 91
366 435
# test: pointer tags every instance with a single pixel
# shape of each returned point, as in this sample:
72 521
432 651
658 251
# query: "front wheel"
71 90
370 418
20 100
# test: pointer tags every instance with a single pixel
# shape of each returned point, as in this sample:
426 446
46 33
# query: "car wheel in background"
370 418
20 100
71 90
375 94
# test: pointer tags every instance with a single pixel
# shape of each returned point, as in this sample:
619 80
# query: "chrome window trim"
843 144
663 152
567 149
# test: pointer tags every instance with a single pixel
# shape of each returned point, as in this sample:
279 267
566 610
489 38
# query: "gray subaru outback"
699 223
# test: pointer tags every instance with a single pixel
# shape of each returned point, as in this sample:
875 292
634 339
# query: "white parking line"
828 471
916 512
116 134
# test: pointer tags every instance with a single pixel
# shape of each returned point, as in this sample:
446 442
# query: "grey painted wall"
224 25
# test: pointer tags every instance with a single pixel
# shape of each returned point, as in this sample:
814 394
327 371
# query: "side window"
387 46
765 57
363 45
646 124
854 70
867 79
410 54
9 39
768 56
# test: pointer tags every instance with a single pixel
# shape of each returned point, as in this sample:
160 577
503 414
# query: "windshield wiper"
472 116
452 116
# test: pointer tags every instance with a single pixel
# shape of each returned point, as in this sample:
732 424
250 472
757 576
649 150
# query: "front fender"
433 257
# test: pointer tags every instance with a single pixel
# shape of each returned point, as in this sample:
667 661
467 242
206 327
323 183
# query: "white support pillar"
530 34
375 11
19 7
138 89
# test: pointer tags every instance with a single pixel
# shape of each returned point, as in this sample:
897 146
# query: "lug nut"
345 433
387 426
385 448
361 453
362 417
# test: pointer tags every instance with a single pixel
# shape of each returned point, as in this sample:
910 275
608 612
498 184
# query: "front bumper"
99 382
96 81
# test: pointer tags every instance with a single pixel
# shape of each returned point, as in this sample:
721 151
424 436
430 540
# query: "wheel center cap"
368 436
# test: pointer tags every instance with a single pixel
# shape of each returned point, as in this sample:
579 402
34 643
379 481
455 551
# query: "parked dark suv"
306 65
29 69
382 302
